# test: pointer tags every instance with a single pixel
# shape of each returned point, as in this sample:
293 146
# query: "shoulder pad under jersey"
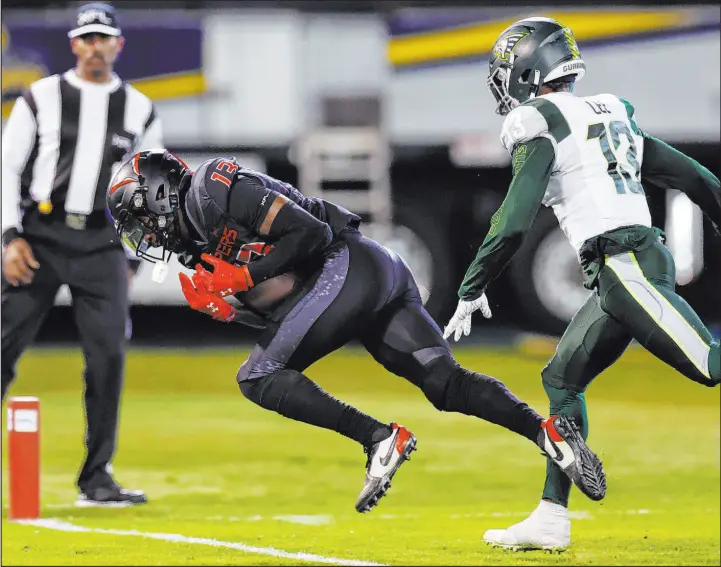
522 124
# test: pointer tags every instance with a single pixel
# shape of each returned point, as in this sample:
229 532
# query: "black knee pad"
251 389
437 378
268 391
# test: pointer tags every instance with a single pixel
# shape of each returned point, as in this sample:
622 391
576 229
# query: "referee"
61 143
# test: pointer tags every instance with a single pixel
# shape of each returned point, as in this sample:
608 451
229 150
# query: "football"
267 295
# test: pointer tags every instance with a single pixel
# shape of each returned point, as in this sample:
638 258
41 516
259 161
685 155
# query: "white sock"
546 507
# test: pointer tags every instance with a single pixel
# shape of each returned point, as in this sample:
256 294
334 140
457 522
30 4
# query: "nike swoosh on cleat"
559 453
387 458
546 453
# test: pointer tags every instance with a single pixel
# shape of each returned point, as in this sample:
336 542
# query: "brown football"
267 295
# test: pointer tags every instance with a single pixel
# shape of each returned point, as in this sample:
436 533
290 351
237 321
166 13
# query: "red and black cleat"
563 443
384 459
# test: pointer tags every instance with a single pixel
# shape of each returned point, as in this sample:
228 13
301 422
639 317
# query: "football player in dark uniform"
304 274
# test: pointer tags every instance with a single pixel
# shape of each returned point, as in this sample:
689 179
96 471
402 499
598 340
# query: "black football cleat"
563 443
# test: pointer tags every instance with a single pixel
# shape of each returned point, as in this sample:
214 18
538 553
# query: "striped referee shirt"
63 140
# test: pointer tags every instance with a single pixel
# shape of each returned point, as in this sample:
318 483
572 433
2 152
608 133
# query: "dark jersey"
244 216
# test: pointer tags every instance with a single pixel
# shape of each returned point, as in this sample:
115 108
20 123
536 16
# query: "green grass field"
215 466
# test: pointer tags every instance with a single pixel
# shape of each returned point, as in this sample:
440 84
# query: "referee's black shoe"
110 495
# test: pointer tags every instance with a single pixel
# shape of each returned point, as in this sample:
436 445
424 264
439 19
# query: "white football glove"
460 323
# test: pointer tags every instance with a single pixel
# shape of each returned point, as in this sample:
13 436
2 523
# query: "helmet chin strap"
171 245
535 84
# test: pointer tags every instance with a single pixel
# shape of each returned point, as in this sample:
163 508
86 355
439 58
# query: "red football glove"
225 279
200 276
201 300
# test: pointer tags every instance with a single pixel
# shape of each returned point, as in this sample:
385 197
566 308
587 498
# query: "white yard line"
58 525
314 520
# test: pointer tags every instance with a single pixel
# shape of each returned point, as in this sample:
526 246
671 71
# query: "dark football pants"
367 292
98 284
636 299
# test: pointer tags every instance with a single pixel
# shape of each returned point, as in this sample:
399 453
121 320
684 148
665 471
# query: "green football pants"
635 299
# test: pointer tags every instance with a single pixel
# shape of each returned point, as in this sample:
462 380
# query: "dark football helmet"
528 54
143 201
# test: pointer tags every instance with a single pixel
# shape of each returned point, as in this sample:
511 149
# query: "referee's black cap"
96 17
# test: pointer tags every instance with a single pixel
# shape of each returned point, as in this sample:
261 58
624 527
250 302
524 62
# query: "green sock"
573 404
714 361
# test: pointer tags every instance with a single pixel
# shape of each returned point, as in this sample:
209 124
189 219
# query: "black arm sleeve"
667 168
297 235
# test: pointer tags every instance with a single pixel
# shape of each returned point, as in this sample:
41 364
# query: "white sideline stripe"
58 525
315 520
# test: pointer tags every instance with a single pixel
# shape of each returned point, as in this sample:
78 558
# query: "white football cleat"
384 459
548 527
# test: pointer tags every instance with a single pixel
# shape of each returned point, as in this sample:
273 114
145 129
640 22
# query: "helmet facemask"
498 83
143 231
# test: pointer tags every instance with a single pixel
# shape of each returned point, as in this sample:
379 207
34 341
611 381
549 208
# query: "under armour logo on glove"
225 279
202 300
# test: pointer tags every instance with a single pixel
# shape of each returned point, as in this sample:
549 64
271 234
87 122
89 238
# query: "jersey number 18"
622 178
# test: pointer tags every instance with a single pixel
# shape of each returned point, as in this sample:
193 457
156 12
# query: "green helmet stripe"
572 46
557 125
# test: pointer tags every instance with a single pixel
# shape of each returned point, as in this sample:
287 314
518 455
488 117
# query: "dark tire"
423 243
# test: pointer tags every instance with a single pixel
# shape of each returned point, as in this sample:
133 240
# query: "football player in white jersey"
586 158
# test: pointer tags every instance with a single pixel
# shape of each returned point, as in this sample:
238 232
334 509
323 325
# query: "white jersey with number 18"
595 185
